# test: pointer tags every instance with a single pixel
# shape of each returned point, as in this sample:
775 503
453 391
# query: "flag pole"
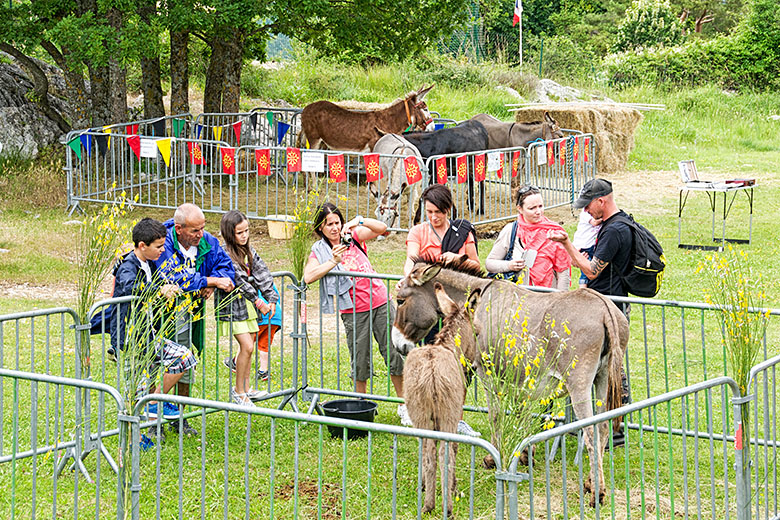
521 38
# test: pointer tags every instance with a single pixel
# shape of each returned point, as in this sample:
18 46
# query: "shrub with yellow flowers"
299 244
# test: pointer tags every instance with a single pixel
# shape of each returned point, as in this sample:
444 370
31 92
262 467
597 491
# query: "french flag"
518 12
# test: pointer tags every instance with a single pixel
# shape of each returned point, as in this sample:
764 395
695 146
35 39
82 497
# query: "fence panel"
560 167
44 462
679 464
263 126
762 430
252 462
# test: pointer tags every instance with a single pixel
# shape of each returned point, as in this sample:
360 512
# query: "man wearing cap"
610 257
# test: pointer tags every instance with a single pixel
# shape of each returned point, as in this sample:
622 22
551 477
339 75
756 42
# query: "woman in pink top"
440 237
363 302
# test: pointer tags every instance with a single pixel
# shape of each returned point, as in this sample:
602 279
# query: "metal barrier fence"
561 166
261 126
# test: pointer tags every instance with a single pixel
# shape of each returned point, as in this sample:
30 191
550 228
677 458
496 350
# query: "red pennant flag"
585 148
196 156
463 169
237 131
336 168
263 158
562 152
134 143
550 154
441 170
576 149
479 168
373 172
293 160
412 168
500 171
228 160
515 163
132 129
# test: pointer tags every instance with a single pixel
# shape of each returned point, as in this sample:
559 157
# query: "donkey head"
459 322
418 114
551 129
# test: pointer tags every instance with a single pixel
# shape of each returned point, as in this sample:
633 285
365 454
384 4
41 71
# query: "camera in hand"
346 239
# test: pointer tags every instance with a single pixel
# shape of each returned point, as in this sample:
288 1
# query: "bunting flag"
515 163
217 131
196 156
585 148
253 120
438 126
373 171
158 127
102 143
412 168
164 145
237 131
132 129
263 158
269 116
550 154
75 145
228 160
517 14
562 152
198 129
479 168
134 142
281 130
441 170
463 169
500 171
336 168
575 153
107 130
86 140
177 124
293 160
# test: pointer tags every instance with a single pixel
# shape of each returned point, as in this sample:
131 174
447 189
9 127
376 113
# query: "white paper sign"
494 161
541 154
149 148
312 161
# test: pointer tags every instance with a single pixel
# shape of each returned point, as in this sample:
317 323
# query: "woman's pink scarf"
551 256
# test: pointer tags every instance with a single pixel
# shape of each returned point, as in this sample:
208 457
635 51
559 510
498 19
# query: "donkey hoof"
488 462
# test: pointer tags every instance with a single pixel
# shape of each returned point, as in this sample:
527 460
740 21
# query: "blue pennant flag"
198 128
438 126
86 140
281 129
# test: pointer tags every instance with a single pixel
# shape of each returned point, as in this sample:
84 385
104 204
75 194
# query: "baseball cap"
592 190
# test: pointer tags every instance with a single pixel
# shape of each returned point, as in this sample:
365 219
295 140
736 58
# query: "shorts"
173 357
359 343
265 338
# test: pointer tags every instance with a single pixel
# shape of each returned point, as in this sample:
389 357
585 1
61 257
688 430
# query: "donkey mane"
458 267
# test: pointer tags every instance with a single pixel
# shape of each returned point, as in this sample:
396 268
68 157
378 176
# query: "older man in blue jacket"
195 261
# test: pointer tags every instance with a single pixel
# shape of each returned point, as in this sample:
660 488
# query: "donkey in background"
435 389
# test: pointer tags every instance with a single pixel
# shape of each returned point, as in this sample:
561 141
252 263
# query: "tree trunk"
180 72
215 77
100 94
77 92
150 84
232 93
118 75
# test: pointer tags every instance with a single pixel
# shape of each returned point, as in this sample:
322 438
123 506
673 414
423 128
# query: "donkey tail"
617 332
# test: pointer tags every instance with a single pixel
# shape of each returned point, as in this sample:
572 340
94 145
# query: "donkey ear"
473 299
421 278
422 92
548 118
446 304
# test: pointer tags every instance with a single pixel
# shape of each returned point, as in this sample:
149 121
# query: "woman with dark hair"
239 317
534 259
364 303
440 237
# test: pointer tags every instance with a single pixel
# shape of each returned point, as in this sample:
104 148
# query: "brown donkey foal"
435 390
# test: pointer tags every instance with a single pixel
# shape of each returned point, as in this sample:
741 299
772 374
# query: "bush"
562 59
648 23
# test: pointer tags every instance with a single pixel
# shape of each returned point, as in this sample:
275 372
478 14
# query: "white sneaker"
240 399
404 415
465 429
256 395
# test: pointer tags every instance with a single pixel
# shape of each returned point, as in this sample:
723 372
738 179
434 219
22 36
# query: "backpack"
645 271
512 276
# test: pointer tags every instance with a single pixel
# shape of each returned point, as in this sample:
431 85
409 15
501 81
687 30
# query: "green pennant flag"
75 145
178 126
270 117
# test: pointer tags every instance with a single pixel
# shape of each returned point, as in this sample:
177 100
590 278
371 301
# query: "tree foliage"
648 23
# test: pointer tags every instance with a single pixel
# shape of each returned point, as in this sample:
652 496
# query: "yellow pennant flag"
107 130
217 133
164 145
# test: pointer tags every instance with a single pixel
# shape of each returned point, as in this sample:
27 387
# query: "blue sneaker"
171 411
146 443
151 411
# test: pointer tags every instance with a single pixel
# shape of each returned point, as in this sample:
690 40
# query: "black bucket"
353 409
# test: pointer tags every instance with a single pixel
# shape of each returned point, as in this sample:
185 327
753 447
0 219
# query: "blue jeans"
589 251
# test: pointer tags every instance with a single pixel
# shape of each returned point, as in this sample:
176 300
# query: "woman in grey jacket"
239 317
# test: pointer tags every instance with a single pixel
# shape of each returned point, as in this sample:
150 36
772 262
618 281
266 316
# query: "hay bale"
612 127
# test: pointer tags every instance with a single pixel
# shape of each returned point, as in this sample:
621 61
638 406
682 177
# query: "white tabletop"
714 186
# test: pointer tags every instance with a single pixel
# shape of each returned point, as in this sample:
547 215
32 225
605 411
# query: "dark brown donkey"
511 135
349 130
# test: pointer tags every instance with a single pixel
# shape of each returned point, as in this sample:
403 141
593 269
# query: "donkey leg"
583 409
429 474
447 450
